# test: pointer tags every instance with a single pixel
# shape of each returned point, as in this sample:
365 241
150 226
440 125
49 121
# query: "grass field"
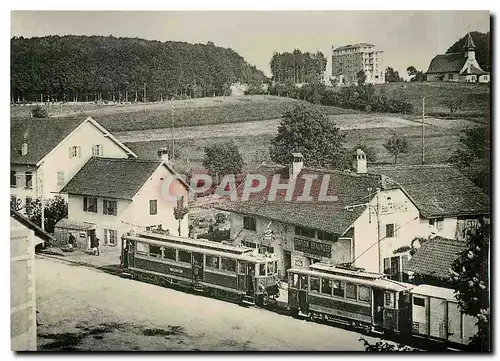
186 113
440 143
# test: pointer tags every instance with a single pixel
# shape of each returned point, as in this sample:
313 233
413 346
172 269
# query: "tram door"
197 267
251 278
303 305
378 307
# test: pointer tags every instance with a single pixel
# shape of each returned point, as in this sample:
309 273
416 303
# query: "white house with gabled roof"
47 153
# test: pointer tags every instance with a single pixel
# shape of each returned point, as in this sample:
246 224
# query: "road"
84 309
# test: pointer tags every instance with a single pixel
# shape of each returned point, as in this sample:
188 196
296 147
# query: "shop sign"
312 247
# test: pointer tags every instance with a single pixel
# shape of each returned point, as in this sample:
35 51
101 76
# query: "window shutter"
404 262
70 152
387 265
84 204
105 236
104 206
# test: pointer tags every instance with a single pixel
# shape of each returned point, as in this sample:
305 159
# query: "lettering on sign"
312 247
175 270
393 207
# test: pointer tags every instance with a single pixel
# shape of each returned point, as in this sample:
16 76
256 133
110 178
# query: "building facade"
348 60
132 195
458 67
46 154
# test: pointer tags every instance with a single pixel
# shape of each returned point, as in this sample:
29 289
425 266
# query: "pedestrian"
96 247
72 240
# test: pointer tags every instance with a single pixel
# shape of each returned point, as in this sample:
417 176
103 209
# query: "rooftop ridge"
137 160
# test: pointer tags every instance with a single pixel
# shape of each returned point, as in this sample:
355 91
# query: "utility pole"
379 237
173 132
423 124
144 96
42 205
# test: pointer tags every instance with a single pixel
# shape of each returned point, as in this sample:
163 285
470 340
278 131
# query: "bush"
39 112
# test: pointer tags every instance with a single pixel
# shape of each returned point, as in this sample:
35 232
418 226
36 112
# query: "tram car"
363 300
234 273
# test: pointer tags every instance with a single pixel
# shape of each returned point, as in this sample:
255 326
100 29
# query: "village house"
46 153
458 67
109 197
24 237
371 224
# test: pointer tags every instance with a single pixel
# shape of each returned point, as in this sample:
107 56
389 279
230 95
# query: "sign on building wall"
311 247
393 208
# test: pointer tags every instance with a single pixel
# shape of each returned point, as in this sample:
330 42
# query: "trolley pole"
379 238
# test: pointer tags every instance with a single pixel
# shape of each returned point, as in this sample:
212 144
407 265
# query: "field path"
261 127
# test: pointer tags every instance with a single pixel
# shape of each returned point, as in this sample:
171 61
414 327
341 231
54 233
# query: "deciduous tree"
396 145
223 158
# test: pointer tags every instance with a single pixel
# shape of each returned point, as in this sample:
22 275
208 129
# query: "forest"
97 68
298 67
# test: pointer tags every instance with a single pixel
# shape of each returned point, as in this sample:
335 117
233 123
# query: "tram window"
212 261
303 282
184 256
350 291
228 264
142 248
169 253
295 278
241 268
389 299
155 251
364 293
418 301
326 286
338 289
275 267
314 284
262 269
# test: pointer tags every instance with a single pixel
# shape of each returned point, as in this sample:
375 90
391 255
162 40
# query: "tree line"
298 67
96 68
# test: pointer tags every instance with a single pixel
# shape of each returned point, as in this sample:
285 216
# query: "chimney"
297 165
24 148
360 163
163 154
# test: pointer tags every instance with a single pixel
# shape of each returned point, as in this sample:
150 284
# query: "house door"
197 267
287 262
91 239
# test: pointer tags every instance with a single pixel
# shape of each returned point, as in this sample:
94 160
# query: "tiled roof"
435 257
349 188
72 224
111 177
41 135
439 190
447 63
40 233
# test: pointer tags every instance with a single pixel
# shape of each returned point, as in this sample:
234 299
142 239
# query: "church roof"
447 63
469 44
474 70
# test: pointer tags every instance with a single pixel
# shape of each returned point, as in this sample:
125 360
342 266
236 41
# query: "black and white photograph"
250 180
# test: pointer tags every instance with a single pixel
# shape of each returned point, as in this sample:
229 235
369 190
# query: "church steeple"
470 48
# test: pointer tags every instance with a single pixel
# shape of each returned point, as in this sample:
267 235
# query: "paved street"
84 309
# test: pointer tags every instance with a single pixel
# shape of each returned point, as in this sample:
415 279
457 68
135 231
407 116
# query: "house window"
262 269
13 179
228 264
306 232
311 260
338 289
419 301
439 224
153 207
75 151
249 224
393 267
326 236
90 204
29 180
169 253
110 236
154 251
109 207
390 230
351 291
97 150
184 256
28 206
314 284
450 76
60 178
212 262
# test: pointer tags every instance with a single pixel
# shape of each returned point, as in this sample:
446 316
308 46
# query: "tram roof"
322 267
380 282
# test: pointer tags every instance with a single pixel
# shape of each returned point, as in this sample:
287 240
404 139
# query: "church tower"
470 48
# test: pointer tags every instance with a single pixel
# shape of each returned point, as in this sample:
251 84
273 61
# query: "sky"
406 37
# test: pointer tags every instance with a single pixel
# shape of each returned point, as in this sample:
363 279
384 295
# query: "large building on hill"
348 60
458 67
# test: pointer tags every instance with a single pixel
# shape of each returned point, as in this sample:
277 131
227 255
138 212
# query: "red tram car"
363 300
225 271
